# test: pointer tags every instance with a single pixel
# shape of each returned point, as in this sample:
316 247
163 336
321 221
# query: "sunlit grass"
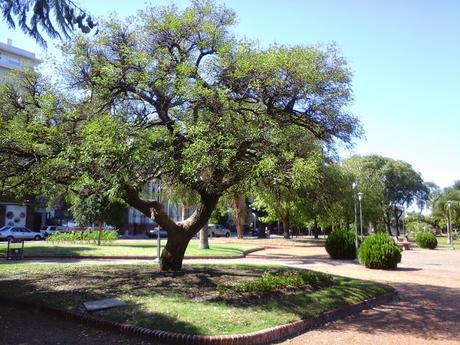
122 248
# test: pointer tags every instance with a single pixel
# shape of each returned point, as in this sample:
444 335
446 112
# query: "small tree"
97 209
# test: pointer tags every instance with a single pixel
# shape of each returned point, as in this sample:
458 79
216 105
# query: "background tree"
364 171
439 207
172 96
394 182
55 17
99 210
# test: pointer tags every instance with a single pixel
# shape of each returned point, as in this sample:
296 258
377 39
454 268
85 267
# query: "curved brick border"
265 336
86 257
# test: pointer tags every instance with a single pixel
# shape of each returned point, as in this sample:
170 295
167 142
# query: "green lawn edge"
175 313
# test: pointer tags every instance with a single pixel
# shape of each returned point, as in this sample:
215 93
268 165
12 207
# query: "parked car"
216 230
51 229
20 233
153 233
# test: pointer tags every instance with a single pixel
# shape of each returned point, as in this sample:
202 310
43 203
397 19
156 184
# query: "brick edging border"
265 336
86 257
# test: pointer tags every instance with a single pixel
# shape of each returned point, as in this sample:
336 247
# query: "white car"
51 229
216 230
18 232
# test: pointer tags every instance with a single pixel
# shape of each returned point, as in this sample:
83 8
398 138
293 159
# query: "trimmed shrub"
88 236
272 281
379 251
340 244
426 240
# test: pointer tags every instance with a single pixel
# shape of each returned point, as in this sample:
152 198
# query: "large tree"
388 185
170 95
56 17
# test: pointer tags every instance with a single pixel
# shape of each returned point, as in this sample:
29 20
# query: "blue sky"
405 56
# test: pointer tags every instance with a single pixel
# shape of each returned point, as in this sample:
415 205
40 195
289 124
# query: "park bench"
405 244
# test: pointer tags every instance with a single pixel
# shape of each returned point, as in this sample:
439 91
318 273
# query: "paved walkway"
427 311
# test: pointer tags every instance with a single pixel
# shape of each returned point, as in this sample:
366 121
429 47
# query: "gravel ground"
427 311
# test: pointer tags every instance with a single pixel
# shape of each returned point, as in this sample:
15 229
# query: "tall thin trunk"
315 229
99 235
286 227
204 239
184 209
239 213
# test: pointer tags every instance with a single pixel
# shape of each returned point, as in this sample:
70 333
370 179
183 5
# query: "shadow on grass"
73 298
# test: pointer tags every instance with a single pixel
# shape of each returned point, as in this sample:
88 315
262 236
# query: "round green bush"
426 240
379 251
340 244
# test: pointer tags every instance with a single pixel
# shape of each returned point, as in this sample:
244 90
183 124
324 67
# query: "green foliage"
87 236
340 244
386 183
32 14
219 215
440 209
270 282
98 209
172 95
379 251
426 240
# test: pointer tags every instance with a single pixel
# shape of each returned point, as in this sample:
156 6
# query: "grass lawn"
442 243
188 302
122 248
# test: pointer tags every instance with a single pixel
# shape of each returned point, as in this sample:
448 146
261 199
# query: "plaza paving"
426 312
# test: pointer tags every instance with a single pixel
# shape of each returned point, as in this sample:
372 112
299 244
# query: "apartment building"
16 212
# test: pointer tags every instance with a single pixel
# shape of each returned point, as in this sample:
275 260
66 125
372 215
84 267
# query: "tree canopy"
387 185
171 95
440 206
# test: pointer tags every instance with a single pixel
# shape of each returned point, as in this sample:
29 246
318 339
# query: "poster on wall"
15 215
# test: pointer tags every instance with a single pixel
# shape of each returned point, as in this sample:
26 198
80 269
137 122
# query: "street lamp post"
403 217
158 259
354 185
451 240
360 197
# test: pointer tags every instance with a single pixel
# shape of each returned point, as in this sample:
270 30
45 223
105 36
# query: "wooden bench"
405 244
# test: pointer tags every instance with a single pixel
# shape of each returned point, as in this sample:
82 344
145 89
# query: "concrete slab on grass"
104 304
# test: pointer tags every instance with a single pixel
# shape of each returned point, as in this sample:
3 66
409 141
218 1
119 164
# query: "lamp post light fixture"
449 214
360 197
353 186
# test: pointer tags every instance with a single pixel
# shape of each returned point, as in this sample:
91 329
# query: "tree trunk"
387 221
397 214
315 229
286 227
180 233
239 213
173 253
204 239
184 209
99 235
